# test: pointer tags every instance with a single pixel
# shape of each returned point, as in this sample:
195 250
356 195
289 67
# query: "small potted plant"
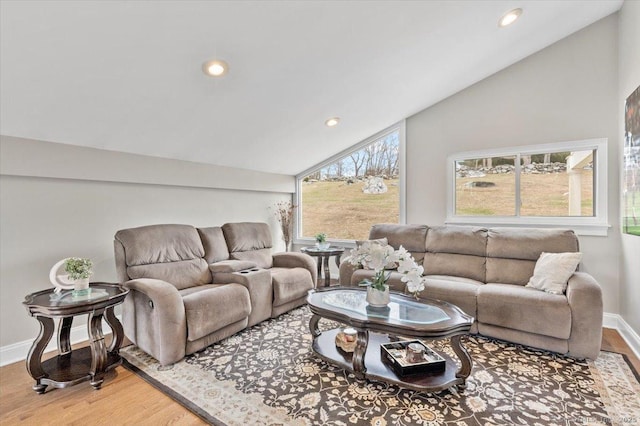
78 271
321 241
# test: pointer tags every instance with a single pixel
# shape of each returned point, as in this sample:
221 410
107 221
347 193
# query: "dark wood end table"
70 367
323 256
428 319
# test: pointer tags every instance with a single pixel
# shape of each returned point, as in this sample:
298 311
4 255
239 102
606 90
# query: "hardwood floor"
612 341
125 398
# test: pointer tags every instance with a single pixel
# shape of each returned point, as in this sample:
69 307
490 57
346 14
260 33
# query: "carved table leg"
338 257
327 271
98 348
313 325
117 333
319 266
34 359
465 369
64 331
359 353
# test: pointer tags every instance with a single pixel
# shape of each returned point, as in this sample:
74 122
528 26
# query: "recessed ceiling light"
333 121
215 68
510 17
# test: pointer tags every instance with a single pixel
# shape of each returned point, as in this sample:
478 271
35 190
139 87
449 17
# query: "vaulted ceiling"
126 75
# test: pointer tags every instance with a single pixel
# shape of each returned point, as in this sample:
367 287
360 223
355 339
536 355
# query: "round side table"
323 256
70 367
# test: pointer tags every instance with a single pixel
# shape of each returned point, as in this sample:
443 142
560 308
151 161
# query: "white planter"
377 298
323 246
81 284
81 288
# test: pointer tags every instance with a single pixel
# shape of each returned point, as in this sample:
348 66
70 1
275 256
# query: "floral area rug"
268 375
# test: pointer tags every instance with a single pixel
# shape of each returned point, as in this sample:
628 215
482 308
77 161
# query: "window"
348 193
560 185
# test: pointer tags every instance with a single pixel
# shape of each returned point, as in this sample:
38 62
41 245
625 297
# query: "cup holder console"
246 271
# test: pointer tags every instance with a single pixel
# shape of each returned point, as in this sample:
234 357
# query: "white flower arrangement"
378 257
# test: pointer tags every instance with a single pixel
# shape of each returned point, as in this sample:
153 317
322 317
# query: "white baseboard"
19 351
628 334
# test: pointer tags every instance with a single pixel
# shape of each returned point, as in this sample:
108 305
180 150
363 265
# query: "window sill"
581 226
310 242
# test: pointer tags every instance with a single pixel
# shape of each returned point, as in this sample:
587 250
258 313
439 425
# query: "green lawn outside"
343 211
631 206
541 195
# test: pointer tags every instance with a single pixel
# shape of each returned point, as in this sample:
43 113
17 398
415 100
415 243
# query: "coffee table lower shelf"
324 346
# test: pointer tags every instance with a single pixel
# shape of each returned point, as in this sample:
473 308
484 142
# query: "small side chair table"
71 367
323 256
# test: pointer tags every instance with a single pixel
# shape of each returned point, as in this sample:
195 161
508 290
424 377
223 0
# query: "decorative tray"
395 355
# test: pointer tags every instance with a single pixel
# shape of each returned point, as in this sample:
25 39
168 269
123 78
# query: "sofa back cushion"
215 246
456 250
411 237
249 241
512 252
172 253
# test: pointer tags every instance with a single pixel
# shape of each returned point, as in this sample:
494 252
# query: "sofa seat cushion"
290 284
526 309
453 278
394 280
211 307
459 291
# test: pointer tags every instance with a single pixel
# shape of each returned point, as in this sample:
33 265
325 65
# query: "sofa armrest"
154 319
346 272
258 282
585 301
121 262
297 260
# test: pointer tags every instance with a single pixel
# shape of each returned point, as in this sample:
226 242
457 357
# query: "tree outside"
333 198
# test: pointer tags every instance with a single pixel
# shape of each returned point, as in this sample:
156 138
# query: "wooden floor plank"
125 398
613 341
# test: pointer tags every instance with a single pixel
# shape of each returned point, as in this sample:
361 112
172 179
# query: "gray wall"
44 219
565 92
629 81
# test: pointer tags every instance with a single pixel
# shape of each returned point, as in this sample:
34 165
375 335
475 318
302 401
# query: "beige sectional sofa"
192 287
484 272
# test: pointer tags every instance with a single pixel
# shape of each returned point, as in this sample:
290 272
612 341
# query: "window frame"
596 225
400 128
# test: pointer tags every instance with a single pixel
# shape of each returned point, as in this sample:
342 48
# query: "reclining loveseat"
191 287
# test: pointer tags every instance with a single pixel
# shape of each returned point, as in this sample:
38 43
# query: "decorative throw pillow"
553 270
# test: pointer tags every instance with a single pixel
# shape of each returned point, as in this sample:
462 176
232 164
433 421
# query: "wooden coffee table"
405 316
